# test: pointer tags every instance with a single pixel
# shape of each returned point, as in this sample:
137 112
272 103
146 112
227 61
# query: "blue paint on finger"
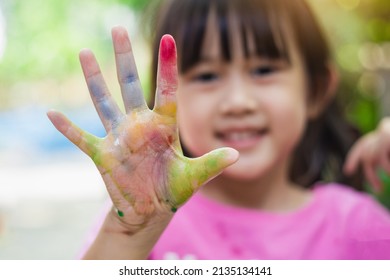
97 91
130 78
103 102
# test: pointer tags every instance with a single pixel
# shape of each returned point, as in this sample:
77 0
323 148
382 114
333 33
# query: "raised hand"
372 151
140 159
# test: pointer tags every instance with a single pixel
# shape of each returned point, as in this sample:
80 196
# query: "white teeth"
239 136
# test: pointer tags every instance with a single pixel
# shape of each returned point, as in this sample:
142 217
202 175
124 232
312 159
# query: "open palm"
140 159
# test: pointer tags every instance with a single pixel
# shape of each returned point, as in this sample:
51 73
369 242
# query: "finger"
127 71
372 178
105 105
197 172
353 158
385 162
212 164
87 142
166 78
383 146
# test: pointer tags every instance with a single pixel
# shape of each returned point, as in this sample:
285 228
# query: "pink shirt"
338 223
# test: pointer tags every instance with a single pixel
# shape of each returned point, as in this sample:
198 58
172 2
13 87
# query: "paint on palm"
140 159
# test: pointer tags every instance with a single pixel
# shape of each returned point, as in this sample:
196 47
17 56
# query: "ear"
327 88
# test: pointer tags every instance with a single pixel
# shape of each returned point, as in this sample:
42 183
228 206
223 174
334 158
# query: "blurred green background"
43 213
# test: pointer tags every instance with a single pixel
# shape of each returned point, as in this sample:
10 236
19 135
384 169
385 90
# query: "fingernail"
167 48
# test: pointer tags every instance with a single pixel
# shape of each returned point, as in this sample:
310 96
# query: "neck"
271 191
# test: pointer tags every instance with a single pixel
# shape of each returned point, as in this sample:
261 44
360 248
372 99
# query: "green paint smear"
174 209
120 213
97 159
92 142
189 175
180 189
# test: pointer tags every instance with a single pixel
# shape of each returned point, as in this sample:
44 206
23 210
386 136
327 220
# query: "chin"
244 172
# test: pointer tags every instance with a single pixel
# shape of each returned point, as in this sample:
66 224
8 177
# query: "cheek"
288 119
195 123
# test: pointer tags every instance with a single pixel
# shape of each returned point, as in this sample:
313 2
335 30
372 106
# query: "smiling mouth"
241 139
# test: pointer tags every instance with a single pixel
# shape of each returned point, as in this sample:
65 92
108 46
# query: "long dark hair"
322 150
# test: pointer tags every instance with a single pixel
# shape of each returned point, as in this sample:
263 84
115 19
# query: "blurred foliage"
384 196
358 22
136 5
44 37
377 15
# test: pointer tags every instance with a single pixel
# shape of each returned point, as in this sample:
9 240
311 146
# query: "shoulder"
360 212
363 224
346 199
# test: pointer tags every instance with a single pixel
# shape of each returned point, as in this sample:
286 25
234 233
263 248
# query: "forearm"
116 241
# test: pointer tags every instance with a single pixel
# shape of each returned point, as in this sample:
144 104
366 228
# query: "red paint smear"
167 66
167 48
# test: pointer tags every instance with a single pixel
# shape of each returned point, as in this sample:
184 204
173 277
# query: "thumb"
212 164
189 175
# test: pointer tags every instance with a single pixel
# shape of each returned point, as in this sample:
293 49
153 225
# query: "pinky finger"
85 141
385 162
371 176
353 158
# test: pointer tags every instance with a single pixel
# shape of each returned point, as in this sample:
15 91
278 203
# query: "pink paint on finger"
167 66
167 49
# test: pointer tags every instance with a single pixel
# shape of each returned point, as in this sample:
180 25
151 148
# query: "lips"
241 138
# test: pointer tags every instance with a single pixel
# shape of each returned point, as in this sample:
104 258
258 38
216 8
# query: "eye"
264 70
205 77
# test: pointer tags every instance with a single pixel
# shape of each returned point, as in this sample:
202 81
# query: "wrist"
118 239
117 223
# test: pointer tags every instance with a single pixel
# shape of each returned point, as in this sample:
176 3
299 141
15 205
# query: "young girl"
253 76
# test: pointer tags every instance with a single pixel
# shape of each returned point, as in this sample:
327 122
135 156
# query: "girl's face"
255 105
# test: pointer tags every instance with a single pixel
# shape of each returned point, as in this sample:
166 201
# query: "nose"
238 97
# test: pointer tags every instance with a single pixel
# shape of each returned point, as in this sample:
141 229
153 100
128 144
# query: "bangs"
257 22
266 28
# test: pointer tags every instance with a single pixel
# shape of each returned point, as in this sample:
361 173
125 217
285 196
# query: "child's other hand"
140 159
372 151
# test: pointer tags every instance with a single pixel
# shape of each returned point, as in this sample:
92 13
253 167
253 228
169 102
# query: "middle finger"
127 71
